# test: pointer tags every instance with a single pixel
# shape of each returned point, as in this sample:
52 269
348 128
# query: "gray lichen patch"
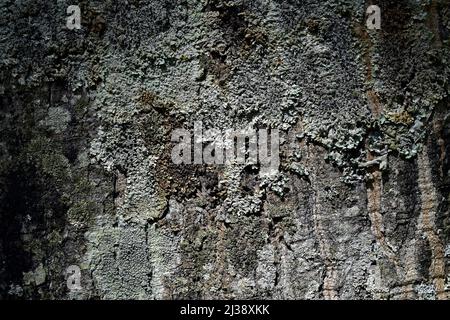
36 277
87 179
57 119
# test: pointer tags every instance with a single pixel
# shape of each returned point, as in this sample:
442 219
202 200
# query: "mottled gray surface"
359 209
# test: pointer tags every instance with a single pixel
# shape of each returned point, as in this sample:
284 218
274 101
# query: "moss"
402 117
80 213
184 58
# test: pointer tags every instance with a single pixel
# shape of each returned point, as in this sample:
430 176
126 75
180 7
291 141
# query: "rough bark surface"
359 209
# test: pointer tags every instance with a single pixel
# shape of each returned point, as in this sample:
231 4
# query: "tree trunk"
359 206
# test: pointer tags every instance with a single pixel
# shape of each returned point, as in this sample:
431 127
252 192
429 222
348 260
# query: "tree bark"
359 208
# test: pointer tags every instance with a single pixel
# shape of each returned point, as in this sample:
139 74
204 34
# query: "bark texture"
359 209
